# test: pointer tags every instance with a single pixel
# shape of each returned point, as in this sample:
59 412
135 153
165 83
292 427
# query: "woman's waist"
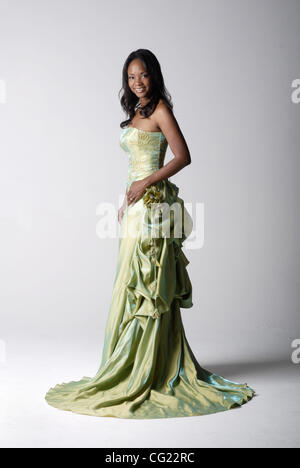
141 172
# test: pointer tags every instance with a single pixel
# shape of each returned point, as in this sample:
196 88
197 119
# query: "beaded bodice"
146 151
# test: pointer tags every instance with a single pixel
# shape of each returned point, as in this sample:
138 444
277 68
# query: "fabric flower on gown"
152 195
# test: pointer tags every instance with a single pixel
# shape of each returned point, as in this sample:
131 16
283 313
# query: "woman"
148 369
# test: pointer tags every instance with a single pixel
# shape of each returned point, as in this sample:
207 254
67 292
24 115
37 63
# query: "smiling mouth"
139 90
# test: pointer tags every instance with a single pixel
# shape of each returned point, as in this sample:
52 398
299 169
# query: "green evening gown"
148 369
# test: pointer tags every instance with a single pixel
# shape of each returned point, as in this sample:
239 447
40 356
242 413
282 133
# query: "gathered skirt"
148 369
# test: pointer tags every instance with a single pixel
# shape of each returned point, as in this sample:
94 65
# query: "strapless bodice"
146 151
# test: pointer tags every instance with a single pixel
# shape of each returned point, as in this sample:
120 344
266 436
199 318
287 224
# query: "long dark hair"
129 101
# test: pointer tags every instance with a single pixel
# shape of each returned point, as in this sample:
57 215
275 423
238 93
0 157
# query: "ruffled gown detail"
148 369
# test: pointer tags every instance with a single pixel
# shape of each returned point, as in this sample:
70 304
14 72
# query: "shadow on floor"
246 368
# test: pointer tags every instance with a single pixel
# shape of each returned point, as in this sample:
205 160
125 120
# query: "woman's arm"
166 121
168 124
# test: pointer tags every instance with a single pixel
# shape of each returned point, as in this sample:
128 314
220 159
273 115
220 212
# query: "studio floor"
270 419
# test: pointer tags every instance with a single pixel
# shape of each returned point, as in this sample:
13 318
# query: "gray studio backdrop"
229 66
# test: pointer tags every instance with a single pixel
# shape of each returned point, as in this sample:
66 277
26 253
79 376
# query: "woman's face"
138 79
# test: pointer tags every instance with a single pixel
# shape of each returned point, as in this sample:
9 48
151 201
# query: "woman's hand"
136 191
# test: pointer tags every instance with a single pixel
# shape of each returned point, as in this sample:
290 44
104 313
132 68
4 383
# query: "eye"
145 75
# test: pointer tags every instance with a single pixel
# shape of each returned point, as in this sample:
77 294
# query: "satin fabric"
148 369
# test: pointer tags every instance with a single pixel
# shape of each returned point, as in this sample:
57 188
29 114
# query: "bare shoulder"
162 110
165 118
